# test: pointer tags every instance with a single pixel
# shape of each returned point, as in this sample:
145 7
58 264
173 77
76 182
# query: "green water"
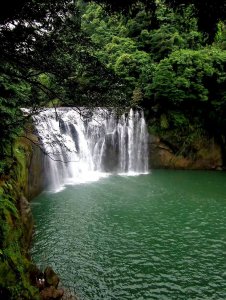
157 236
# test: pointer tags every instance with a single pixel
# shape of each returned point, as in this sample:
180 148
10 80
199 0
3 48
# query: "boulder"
51 278
50 293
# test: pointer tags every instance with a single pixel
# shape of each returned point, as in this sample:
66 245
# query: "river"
156 236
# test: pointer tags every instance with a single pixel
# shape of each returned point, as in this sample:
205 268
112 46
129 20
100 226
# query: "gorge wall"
205 154
103 137
22 181
25 179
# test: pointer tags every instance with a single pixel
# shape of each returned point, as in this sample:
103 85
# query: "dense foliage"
15 266
62 53
208 13
172 69
47 60
168 57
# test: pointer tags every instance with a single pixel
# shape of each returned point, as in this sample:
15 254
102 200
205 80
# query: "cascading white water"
84 149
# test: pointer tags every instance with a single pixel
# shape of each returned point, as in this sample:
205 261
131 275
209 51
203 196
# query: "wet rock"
51 278
203 154
27 219
50 293
69 295
34 274
36 167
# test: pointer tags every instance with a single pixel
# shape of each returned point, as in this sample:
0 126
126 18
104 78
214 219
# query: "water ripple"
138 238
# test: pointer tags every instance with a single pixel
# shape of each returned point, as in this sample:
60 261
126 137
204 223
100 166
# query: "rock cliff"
205 154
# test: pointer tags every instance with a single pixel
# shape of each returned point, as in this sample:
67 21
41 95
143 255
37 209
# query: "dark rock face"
36 176
75 136
51 278
34 274
50 293
27 220
110 159
206 155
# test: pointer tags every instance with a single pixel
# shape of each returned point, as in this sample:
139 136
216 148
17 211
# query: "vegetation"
47 60
177 69
208 13
168 57
15 266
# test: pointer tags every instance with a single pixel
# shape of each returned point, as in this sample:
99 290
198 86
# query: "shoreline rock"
47 283
51 293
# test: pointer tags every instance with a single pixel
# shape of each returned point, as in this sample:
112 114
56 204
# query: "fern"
7 206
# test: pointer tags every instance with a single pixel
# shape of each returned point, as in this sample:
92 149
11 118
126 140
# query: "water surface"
157 236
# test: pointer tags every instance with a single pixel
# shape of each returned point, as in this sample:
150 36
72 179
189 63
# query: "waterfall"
85 148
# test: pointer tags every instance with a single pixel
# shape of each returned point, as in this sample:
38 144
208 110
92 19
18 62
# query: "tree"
45 38
189 89
44 59
209 13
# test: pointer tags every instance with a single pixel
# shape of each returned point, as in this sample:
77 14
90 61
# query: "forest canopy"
165 57
114 53
171 66
208 13
46 60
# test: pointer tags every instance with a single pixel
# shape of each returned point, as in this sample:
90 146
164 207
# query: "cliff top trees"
209 12
177 69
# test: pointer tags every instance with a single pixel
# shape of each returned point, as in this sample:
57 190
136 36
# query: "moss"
14 263
22 153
